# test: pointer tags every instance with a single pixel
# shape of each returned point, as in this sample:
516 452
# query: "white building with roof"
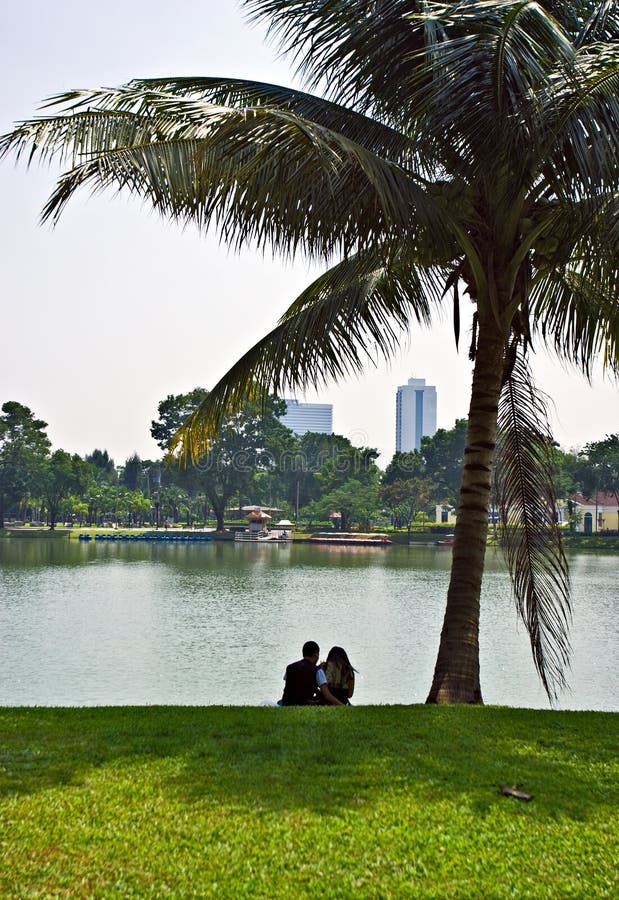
599 512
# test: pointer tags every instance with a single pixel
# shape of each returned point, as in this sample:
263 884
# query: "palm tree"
459 149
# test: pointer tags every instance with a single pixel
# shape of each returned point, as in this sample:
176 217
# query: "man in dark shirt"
304 680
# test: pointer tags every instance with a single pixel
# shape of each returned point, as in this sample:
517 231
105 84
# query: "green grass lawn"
336 803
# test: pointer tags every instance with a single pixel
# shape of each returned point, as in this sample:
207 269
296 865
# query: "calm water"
105 623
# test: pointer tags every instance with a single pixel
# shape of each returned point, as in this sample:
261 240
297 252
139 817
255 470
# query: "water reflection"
113 623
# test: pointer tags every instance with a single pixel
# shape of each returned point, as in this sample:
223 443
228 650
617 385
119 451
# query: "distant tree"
586 475
574 512
130 507
24 446
347 463
314 449
139 507
404 466
79 508
175 500
443 455
173 412
104 466
312 512
132 475
566 471
200 506
357 503
406 498
248 441
327 461
102 503
274 480
63 475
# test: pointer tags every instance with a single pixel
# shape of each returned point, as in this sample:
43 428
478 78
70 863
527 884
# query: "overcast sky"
113 310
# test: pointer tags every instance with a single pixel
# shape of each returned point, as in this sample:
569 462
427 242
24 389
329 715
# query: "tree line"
256 460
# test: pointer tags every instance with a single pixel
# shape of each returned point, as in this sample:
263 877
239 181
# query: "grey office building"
415 414
303 417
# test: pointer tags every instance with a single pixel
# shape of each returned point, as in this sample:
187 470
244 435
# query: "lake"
110 623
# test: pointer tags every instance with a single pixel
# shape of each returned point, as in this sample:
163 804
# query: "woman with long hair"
340 674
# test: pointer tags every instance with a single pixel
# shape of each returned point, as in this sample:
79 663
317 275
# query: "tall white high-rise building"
304 417
415 414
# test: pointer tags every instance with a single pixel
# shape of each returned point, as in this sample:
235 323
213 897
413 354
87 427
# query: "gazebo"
257 521
284 527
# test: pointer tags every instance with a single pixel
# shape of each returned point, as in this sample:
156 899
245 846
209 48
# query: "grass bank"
365 802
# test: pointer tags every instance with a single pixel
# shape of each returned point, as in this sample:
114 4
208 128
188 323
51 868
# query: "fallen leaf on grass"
512 790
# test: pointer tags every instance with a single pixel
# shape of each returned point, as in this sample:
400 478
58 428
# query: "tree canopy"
251 439
24 446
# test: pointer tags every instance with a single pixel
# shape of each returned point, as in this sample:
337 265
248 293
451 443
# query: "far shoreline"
572 542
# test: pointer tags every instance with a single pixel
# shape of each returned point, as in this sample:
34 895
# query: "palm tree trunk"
456 675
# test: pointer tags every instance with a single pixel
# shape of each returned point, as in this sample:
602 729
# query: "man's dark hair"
310 648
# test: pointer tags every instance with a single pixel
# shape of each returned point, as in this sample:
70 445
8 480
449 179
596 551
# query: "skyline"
114 309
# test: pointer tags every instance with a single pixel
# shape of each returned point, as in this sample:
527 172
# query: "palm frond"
76 137
259 174
373 135
355 312
598 21
577 316
574 299
529 530
581 117
477 83
420 64
361 50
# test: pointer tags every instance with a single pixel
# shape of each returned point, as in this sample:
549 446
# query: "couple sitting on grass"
331 683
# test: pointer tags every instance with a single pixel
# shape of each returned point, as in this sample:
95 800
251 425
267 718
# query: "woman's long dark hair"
339 656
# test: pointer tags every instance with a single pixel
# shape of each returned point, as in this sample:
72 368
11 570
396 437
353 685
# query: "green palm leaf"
582 122
354 313
390 143
577 315
357 48
599 22
529 530
195 161
574 299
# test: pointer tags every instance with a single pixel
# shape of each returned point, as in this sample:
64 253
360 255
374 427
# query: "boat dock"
156 536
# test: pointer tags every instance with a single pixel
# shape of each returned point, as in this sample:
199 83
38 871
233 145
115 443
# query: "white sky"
111 311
